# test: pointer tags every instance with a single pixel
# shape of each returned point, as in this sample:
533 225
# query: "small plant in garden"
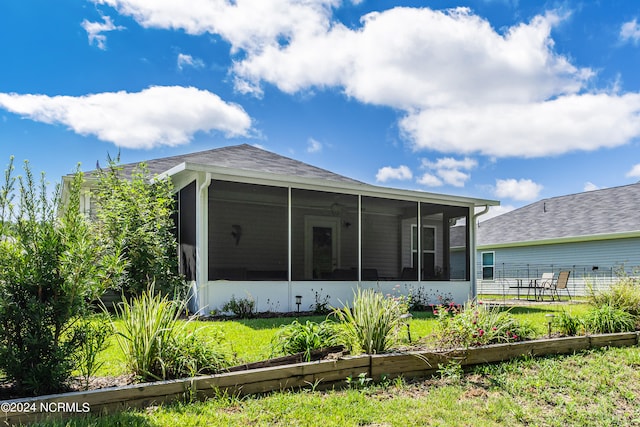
476 325
299 337
241 307
321 302
419 299
567 324
607 319
451 371
273 307
372 324
156 343
149 324
91 335
188 354
360 382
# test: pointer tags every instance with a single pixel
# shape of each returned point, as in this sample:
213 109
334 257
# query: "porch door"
322 237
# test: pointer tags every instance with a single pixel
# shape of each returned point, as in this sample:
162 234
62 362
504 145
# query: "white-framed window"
488 265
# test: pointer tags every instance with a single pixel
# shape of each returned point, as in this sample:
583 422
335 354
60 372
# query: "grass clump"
371 326
623 295
155 342
299 337
609 319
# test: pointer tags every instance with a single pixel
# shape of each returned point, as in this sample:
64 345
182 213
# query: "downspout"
202 258
207 182
474 223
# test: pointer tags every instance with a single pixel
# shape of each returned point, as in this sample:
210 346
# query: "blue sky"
498 99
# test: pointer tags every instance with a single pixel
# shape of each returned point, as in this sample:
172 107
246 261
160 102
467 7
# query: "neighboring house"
592 234
254 223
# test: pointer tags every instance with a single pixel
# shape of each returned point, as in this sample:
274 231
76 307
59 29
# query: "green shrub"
567 323
608 319
372 325
50 266
242 307
476 325
299 337
134 217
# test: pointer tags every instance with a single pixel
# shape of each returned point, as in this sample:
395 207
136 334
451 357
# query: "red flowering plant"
474 325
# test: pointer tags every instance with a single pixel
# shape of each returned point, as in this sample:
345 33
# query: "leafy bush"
299 337
567 324
477 325
608 319
50 266
372 325
242 307
156 343
133 216
624 294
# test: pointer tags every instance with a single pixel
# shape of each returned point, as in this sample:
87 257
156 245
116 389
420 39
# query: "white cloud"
522 99
450 163
449 170
136 120
185 60
430 180
314 146
569 123
95 29
634 172
246 24
630 31
522 189
401 173
590 186
454 177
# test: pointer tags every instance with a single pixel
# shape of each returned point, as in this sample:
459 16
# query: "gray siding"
605 254
579 257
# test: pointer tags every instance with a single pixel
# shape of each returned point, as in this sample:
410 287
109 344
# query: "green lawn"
595 388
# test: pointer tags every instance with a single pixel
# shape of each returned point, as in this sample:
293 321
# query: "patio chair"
561 283
546 283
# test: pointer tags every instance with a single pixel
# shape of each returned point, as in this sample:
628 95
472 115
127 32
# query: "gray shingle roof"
246 157
606 211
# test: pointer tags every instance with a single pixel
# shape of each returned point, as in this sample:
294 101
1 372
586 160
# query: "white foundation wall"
280 296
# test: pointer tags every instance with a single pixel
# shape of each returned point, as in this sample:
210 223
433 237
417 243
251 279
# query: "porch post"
289 252
359 238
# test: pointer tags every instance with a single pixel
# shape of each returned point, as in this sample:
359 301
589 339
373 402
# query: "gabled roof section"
599 213
243 157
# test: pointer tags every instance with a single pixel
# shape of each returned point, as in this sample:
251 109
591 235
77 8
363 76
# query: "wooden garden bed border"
320 374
